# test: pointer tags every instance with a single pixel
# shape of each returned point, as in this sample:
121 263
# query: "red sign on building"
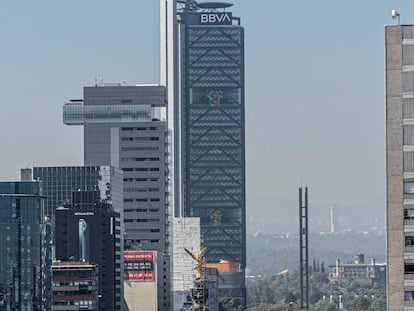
139 266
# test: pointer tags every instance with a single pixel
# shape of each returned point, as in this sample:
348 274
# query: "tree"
357 304
230 304
378 303
322 267
313 266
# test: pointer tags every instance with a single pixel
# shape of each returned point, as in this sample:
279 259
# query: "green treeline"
282 293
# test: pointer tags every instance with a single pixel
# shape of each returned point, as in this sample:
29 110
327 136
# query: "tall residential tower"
399 104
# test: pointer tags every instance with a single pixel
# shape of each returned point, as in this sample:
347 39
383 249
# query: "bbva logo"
214 18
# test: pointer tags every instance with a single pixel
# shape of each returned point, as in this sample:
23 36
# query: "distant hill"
270 254
266 214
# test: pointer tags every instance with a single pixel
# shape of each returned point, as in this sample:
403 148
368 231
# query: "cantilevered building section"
399 100
122 127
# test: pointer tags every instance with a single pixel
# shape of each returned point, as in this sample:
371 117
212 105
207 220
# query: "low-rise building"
74 286
359 271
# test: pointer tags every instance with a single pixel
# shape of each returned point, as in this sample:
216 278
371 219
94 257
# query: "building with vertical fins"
202 63
25 271
399 107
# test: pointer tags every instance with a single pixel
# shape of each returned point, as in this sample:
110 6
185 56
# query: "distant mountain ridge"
267 214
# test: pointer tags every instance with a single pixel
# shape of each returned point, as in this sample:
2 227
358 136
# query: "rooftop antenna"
395 15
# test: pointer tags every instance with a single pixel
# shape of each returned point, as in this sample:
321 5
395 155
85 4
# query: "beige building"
145 286
399 107
358 271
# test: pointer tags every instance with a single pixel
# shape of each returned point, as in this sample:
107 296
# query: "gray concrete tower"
399 106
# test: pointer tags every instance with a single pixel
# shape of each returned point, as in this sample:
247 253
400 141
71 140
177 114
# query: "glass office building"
61 184
212 138
24 271
58 183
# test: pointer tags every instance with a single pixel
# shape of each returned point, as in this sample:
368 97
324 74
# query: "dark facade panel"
23 265
88 230
213 145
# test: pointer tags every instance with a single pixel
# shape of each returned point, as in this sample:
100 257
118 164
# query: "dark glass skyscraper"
212 140
94 195
58 183
23 268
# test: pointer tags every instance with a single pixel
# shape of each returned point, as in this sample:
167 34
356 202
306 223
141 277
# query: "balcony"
409 280
409 252
410 304
409 225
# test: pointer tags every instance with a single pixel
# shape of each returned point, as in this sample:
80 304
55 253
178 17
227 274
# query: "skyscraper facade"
399 106
23 269
58 183
95 193
202 55
122 127
212 130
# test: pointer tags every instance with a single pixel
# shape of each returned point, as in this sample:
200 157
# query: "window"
408 213
409 187
409 241
409 268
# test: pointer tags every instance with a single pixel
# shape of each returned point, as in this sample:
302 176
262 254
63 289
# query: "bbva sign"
216 18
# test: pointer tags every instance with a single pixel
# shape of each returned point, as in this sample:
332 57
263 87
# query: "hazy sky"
314 85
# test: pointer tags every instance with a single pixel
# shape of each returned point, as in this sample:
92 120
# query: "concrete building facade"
144 279
122 128
75 286
399 106
186 235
